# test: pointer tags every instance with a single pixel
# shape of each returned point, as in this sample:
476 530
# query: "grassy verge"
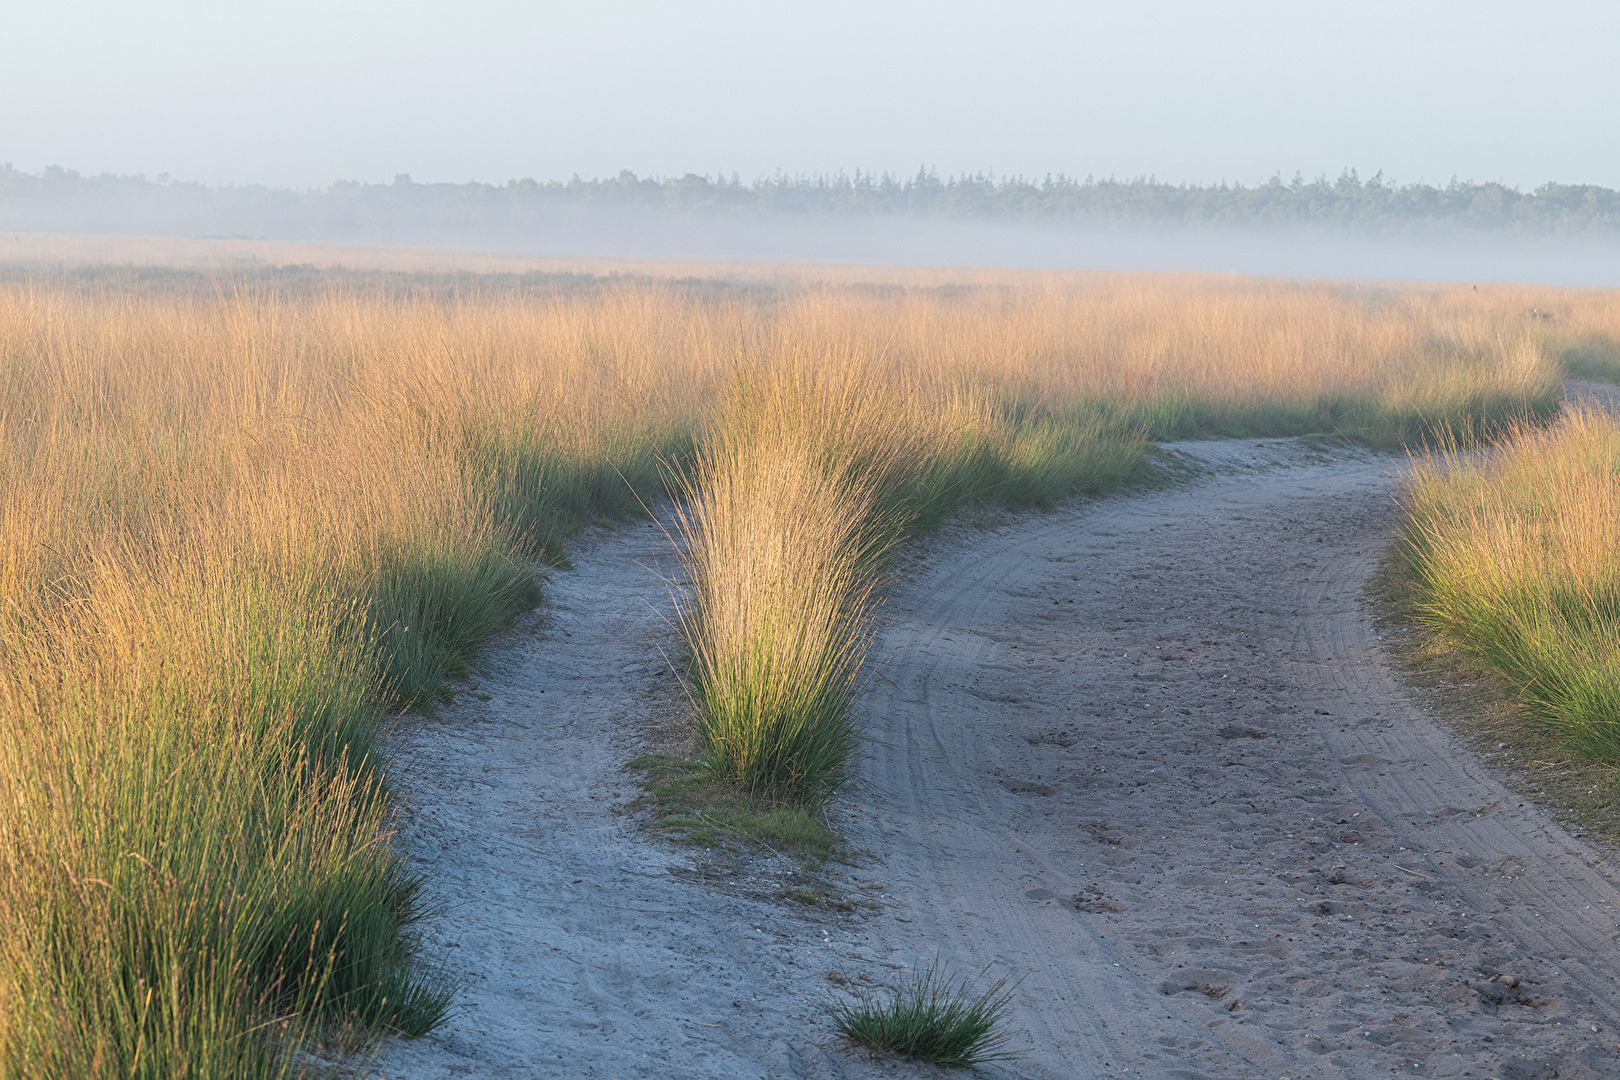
1595 358
219 576
1533 758
1515 561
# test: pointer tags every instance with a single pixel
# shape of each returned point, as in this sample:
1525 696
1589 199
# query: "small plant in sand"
930 1017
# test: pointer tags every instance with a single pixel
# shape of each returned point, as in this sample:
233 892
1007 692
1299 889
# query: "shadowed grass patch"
691 804
1532 756
1595 357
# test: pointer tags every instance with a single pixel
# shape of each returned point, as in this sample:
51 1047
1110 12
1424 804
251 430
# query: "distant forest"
63 200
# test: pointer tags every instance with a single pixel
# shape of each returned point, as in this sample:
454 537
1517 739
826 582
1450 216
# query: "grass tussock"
1515 559
241 525
785 517
930 1017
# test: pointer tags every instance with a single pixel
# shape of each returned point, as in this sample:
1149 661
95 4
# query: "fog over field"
1270 251
1556 234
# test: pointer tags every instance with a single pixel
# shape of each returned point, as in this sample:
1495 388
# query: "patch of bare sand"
1146 755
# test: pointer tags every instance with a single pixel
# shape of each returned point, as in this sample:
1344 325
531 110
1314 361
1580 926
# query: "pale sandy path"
1146 755
582 948
1176 705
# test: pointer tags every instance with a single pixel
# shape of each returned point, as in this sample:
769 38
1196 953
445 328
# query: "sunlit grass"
241 528
1516 558
784 521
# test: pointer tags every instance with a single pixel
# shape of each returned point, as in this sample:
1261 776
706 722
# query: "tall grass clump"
193 843
787 512
1516 558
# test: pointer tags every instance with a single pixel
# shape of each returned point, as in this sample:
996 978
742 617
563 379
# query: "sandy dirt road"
1146 755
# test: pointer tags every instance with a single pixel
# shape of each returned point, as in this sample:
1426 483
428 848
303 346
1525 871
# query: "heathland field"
245 522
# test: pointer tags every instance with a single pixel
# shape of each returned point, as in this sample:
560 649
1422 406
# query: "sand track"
1147 755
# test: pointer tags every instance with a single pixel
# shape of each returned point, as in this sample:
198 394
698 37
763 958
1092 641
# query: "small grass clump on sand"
929 1017
1514 558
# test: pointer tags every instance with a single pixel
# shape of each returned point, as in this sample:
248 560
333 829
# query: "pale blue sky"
300 93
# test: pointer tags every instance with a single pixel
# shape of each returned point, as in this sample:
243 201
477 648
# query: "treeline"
63 199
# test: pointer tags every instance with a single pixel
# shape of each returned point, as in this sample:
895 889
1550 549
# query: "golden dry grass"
785 516
241 521
1516 556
